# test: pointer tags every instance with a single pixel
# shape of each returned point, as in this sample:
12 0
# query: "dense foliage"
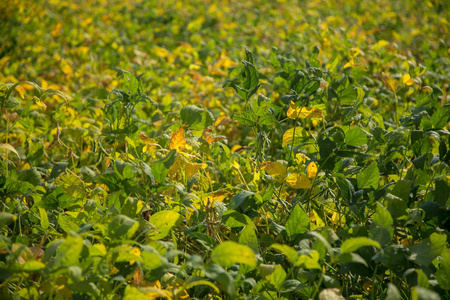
224 150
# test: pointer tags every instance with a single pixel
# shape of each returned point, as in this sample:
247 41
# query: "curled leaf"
10 148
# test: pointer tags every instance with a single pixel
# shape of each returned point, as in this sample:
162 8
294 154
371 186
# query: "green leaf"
6 218
356 137
160 168
33 266
195 117
31 175
246 118
353 244
130 83
310 261
67 253
274 274
44 218
381 229
420 293
151 260
229 253
240 91
248 237
344 258
164 221
219 274
441 117
248 55
195 281
240 199
348 96
428 249
122 227
290 253
443 274
57 169
67 223
232 218
393 293
298 221
249 77
369 177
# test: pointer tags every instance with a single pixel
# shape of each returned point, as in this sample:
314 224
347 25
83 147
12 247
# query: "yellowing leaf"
380 44
216 196
57 30
311 170
288 136
44 84
10 148
208 138
40 103
235 148
300 158
222 121
298 181
351 63
389 82
303 112
192 168
21 91
406 79
178 141
275 169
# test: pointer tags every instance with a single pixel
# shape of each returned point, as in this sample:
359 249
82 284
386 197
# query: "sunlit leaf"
275 169
303 112
295 136
298 181
10 148
229 253
178 142
353 244
389 82
311 170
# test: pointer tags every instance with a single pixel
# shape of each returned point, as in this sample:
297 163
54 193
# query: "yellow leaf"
380 44
288 136
300 158
317 219
136 252
192 168
40 103
389 82
351 63
275 169
311 169
57 30
298 181
216 196
406 80
208 138
303 112
44 84
21 91
67 68
178 141
235 148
